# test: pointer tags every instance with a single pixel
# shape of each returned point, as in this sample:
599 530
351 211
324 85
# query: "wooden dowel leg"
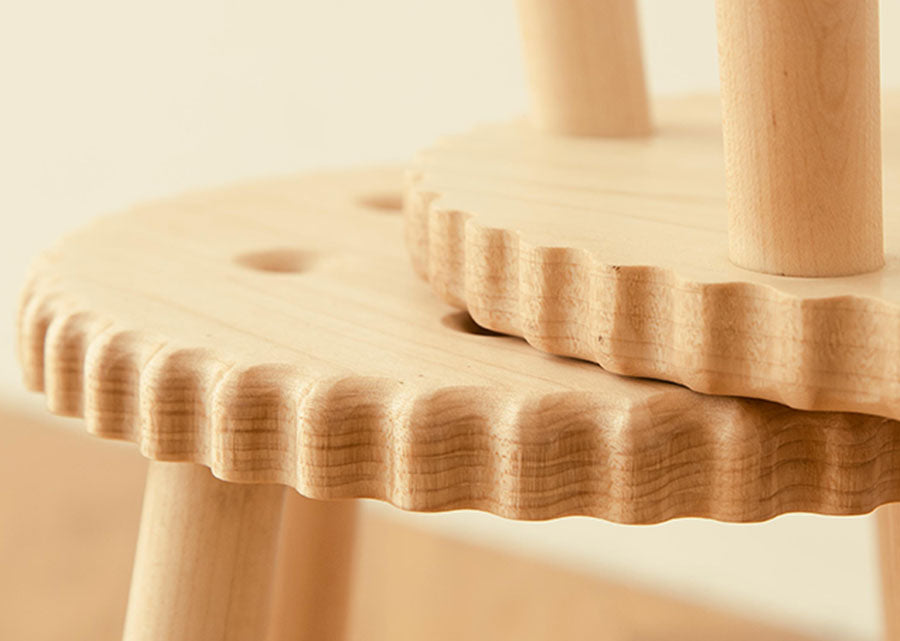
585 67
315 570
205 557
801 119
889 546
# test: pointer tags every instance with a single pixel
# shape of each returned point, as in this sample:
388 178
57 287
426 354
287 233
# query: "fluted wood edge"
615 252
628 456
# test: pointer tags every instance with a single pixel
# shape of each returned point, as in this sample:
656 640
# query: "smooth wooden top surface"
276 333
616 251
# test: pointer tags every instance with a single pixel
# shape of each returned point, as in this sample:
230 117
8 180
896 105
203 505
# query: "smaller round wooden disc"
616 251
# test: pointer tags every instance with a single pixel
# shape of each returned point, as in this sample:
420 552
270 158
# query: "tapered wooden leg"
315 570
205 557
889 543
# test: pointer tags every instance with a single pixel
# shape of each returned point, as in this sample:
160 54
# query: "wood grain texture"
801 118
585 68
205 557
615 251
275 333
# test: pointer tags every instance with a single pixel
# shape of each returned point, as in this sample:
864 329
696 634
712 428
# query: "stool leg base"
205 557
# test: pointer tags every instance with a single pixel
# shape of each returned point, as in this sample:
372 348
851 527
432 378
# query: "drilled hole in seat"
281 261
462 322
386 202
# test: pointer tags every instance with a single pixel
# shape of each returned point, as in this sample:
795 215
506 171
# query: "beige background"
107 102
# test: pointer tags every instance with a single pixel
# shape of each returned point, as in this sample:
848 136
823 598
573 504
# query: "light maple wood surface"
67 542
801 117
615 251
205 557
585 67
274 332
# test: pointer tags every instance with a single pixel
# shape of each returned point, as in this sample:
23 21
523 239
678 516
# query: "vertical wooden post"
889 543
315 570
801 119
205 557
585 67
802 129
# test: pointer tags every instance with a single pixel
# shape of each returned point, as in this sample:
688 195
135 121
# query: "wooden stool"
274 333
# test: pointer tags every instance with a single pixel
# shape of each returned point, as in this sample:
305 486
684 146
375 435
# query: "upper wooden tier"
275 333
616 251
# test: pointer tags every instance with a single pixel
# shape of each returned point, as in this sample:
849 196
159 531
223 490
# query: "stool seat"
274 333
